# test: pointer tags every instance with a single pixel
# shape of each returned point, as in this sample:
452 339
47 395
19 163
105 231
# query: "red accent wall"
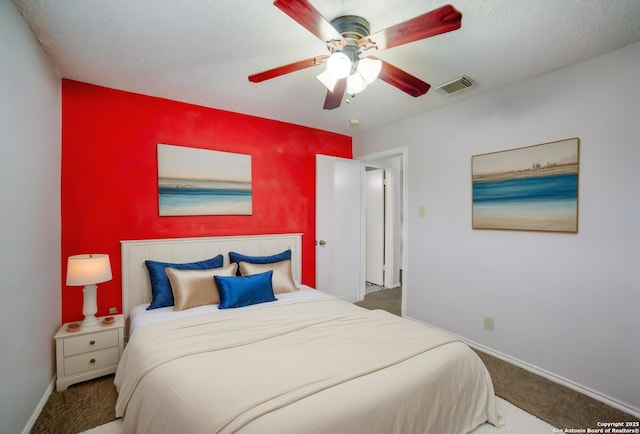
109 176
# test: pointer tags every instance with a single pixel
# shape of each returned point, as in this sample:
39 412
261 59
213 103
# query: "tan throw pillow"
282 279
193 288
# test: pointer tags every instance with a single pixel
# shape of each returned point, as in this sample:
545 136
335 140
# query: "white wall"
30 125
567 305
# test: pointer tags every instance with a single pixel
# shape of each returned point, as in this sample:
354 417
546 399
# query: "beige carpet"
388 299
80 407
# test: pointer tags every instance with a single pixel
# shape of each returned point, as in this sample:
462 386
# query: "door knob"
322 242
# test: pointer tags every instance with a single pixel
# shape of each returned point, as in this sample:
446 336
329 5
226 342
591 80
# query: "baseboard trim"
38 409
605 399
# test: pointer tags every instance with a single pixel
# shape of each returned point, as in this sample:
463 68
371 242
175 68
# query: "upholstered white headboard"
136 288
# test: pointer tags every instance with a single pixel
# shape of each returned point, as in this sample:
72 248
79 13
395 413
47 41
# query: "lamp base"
90 306
89 321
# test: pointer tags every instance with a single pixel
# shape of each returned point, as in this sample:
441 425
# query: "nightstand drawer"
90 342
89 361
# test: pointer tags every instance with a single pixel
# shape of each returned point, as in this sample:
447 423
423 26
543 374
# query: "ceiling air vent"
456 85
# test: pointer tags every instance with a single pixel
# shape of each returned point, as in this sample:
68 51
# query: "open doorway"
384 254
375 198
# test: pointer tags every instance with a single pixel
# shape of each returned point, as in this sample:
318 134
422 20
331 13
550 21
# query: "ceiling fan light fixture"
369 69
327 79
348 38
355 83
339 64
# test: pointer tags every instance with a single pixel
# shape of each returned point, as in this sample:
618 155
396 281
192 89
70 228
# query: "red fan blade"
286 69
333 99
441 20
404 81
309 18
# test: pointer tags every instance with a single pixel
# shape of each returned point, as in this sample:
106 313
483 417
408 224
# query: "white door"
374 226
339 227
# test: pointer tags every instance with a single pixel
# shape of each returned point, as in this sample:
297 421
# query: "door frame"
370 159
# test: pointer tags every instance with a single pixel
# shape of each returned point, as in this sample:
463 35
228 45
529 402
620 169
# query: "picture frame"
195 181
533 188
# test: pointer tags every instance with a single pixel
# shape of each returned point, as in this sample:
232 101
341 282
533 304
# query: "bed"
303 363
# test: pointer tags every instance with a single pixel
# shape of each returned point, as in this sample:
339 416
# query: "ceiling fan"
350 65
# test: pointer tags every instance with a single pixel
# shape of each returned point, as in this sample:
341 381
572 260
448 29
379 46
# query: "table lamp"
88 270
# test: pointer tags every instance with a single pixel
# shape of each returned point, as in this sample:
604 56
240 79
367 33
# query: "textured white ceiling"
201 51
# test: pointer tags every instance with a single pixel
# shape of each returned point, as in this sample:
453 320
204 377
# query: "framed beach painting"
193 181
534 188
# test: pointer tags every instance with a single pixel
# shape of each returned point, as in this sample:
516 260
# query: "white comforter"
322 366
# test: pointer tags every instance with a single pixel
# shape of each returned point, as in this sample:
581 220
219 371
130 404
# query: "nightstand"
88 353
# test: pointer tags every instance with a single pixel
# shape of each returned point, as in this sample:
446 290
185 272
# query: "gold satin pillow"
193 288
282 279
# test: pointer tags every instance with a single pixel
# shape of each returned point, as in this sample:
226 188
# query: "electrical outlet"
112 310
488 323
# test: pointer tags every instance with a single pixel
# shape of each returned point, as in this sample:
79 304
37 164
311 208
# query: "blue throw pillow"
279 257
161 293
244 290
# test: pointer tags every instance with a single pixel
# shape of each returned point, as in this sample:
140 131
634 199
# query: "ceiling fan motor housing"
352 28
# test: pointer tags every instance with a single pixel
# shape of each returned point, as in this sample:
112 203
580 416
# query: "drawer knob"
92 361
92 342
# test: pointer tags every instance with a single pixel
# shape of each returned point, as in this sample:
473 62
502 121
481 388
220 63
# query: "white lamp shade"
355 83
339 64
328 79
88 269
369 69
